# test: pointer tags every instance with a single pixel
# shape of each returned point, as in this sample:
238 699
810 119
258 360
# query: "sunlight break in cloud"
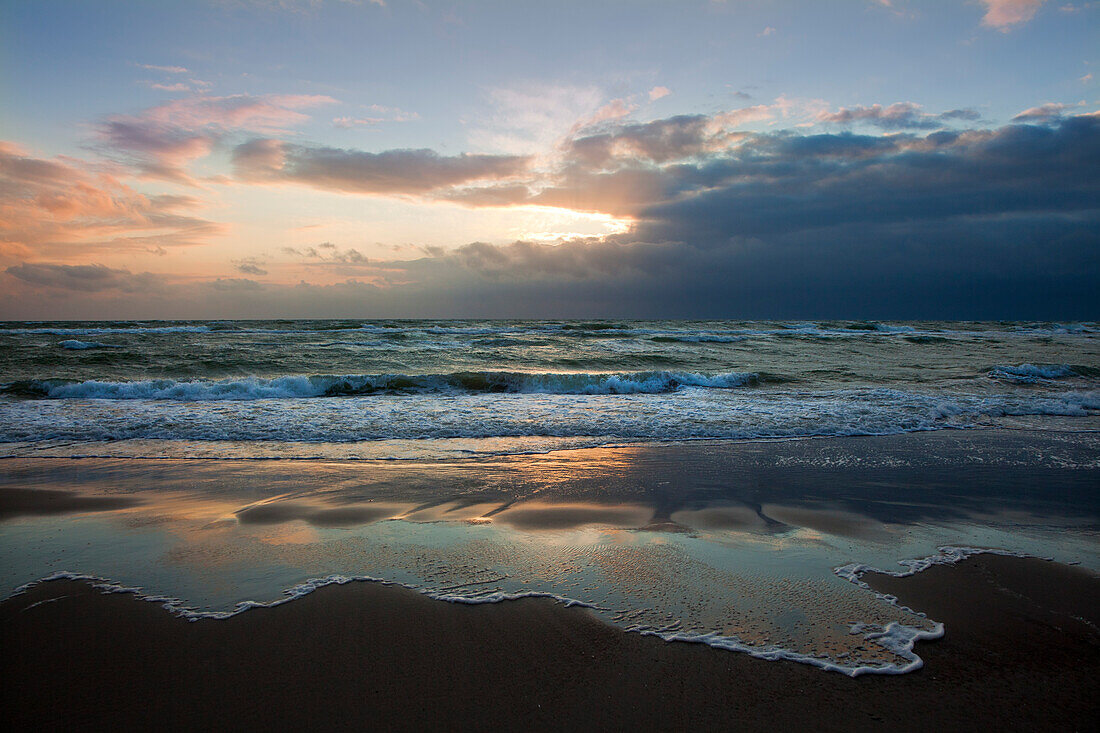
1003 14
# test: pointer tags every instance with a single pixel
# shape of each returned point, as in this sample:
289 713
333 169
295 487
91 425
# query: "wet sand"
1022 652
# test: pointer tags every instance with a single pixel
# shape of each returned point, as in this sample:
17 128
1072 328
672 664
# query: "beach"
371 365
1015 657
291 524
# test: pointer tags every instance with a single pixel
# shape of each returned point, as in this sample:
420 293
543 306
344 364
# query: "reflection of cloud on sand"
730 517
829 521
318 516
538 516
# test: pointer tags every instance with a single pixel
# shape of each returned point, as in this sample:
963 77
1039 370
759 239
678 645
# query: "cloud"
664 140
327 252
781 223
380 114
177 87
234 284
1004 14
164 69
897 116
391 172
55 208
658 92
1042 113
162 140
781 183
250 266
84 278
766 32
950 224
350 122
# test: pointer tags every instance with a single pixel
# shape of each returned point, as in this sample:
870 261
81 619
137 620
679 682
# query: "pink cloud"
163 69
1042 113
177 87
658 92
160 141
1003 14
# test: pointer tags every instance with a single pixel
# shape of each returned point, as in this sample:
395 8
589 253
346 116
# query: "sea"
723 482
399 389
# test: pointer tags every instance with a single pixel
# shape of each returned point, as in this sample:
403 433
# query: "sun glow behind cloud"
551 224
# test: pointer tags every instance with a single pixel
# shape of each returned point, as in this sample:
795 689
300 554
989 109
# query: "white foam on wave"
1027 373
76 345
682 414
177 607
334 385
945 555
896 638
899 638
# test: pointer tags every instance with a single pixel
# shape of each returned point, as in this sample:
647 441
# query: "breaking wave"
654 382
1028 373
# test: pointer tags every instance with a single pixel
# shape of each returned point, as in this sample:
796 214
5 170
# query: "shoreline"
1046 424
1021 650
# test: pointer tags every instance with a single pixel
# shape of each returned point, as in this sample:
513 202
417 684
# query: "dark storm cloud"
356 171
779 184
994 223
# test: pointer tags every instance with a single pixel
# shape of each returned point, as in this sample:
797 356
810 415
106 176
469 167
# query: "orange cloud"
57 208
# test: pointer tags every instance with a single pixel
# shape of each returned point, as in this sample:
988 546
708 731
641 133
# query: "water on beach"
724 482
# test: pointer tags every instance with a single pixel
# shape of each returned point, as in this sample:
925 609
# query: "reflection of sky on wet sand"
737 540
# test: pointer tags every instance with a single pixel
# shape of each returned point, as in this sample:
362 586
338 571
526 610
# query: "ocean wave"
75 345
731 414
655 382
100 330
1030 373
697 339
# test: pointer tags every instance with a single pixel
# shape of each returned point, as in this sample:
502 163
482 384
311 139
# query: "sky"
898 159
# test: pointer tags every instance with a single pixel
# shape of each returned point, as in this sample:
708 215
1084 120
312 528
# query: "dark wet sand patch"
16 502
367 656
